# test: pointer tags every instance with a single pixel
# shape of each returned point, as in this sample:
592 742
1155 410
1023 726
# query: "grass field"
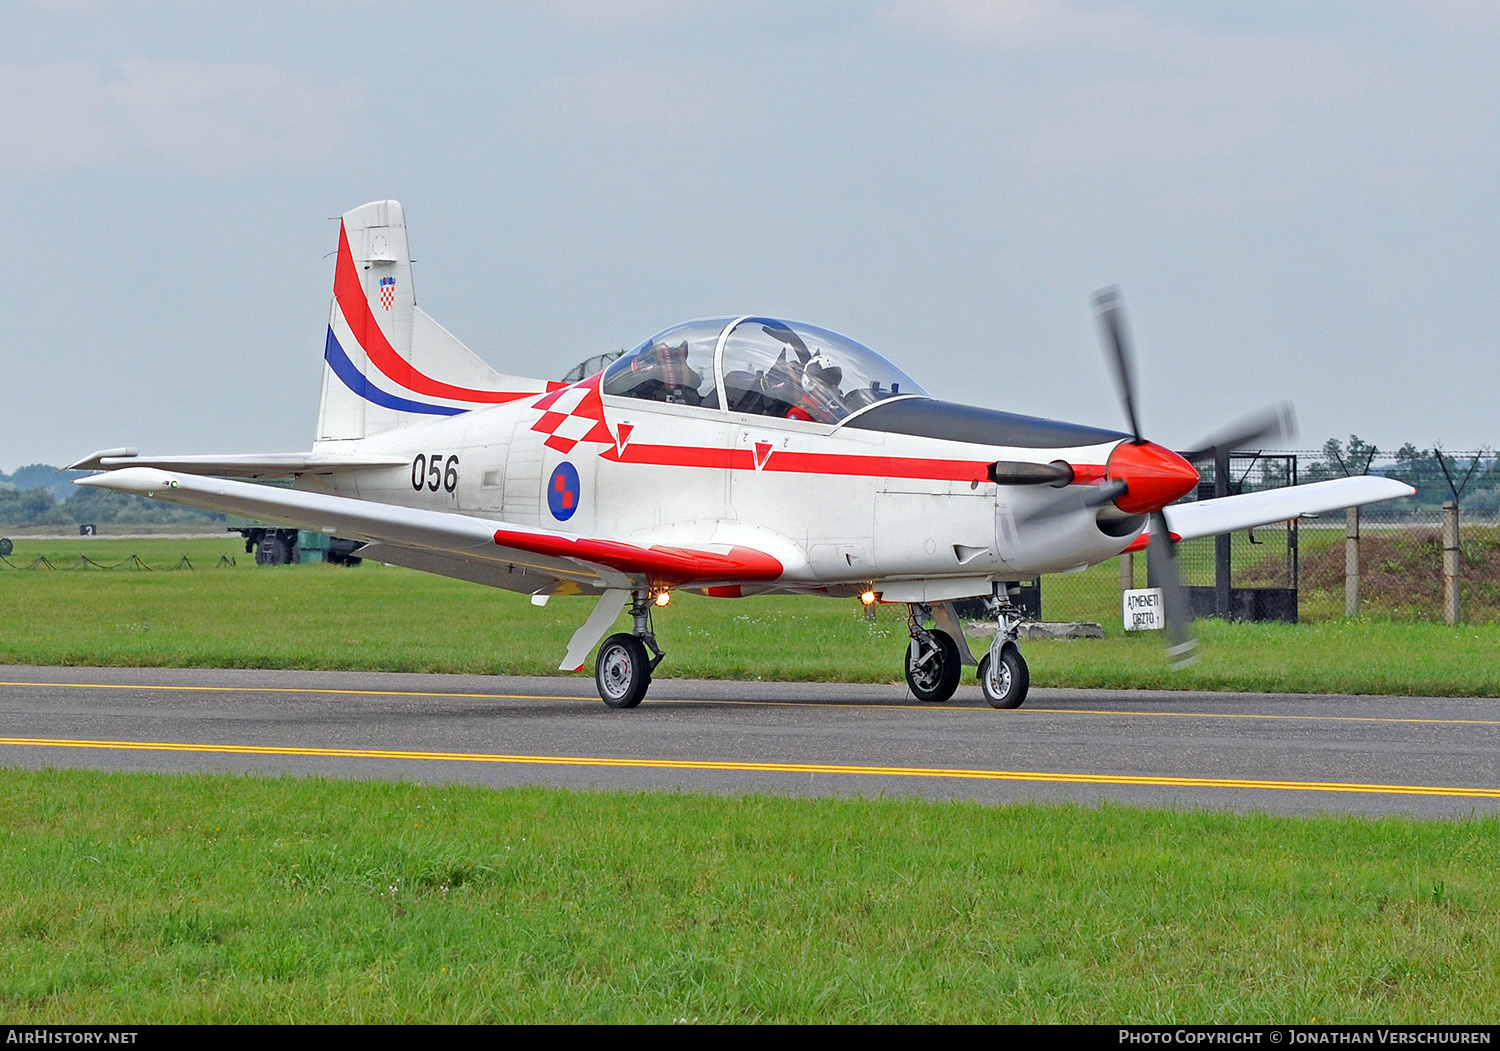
144 898
136 898
381 618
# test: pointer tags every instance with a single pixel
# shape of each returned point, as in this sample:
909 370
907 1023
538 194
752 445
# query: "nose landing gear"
1004 678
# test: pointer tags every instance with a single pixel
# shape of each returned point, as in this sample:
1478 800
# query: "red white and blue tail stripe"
387 363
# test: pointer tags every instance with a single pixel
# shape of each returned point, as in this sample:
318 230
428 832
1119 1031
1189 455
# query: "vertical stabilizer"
386 363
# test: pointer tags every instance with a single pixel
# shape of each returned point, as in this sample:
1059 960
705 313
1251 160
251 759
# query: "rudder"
386 363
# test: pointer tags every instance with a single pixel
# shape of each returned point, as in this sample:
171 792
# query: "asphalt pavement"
1281 753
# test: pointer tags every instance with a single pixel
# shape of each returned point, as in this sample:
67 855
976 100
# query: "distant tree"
1340 460
45 476
102 505
28 507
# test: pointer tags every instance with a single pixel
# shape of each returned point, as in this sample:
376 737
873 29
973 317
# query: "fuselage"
842 506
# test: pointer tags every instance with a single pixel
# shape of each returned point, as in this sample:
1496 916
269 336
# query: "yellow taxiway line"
1014 713
305 689
758 767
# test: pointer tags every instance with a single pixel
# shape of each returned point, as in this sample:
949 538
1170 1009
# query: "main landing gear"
622 671
934 659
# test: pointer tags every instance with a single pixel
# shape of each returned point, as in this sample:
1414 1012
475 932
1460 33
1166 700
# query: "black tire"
1015 679
935 678
621 671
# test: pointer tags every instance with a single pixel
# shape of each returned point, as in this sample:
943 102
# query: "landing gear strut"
1003 675
933 664
622 671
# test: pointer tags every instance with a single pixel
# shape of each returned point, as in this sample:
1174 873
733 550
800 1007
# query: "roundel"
563 490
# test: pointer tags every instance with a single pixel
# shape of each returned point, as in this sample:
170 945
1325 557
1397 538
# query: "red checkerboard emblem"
387 292
571 415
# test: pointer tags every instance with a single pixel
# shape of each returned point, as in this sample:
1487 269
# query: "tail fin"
386 363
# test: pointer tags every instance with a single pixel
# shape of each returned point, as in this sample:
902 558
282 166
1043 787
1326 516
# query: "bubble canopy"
759 365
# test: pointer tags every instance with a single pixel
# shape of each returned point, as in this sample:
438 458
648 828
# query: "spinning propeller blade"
1111 314
1182 647
1092 496
1272 425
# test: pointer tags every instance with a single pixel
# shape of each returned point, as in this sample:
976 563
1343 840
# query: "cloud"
1139 88
617 14
1452 16
1022 25
620 100
208 118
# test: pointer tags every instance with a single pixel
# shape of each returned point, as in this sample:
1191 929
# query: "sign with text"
1144 610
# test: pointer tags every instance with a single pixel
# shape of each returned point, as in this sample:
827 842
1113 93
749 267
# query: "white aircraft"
729 456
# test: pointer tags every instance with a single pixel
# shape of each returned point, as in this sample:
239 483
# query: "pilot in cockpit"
821 398
662 373
791 388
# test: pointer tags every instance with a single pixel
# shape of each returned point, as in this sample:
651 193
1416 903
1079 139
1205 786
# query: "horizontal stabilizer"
1248 510
251 465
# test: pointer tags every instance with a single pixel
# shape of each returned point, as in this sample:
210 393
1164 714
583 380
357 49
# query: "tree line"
37 495
1472 478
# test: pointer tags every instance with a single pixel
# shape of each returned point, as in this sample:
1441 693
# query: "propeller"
1162 566
1182 646
1269 426
1090 497
1111 315
1143 477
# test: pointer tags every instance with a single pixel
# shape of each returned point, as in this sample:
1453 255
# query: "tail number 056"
433 473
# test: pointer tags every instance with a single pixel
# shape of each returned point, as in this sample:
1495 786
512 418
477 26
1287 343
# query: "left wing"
520 558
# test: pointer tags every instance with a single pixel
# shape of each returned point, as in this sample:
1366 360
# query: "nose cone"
1154 476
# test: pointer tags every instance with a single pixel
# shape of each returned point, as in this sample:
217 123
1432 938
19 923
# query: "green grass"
380 618
143 898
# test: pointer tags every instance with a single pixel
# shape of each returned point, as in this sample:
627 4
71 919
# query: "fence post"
1351 562
1127 571
1450 561
1223 567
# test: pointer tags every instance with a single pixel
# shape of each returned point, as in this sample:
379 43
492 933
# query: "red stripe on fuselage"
803 462
355 306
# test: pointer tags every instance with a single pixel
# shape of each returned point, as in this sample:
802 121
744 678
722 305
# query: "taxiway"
1285 753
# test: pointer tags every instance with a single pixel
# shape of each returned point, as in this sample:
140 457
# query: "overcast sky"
1299 200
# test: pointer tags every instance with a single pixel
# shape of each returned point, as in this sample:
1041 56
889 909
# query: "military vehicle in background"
277 546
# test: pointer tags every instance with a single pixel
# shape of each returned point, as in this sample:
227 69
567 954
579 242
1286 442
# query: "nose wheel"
1006 687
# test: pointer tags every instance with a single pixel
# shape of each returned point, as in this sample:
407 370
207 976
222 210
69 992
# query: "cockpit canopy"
758 365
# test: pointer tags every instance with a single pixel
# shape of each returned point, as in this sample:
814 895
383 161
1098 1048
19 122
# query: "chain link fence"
1400 544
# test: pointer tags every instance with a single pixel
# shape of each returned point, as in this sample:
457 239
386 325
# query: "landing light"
663 597
868 598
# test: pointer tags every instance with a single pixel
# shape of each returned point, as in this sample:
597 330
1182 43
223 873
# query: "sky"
1298 200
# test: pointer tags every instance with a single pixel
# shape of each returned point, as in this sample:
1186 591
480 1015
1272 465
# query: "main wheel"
622 671
1013 678
934 669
